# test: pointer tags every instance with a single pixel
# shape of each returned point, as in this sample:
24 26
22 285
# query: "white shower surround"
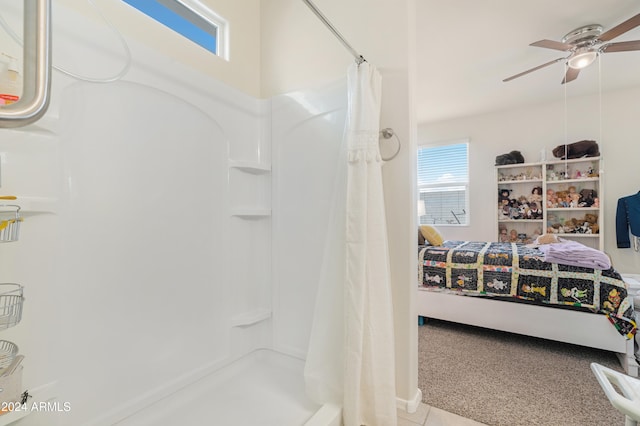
157 267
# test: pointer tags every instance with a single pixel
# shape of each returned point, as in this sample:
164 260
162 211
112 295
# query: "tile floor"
431 416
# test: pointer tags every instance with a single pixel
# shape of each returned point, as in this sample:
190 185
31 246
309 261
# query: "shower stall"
171 243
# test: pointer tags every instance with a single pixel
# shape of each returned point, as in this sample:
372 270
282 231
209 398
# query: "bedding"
517 272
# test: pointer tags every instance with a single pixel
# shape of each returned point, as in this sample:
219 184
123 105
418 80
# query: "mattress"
518 272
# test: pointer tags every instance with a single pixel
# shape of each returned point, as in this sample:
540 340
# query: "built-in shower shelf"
251 213
250 167
250 318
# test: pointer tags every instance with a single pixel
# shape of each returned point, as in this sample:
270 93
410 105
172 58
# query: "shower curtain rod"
359 58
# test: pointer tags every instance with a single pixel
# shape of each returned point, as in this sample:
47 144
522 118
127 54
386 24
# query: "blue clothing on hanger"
627 219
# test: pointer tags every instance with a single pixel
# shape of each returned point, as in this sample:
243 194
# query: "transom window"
191 19
443 184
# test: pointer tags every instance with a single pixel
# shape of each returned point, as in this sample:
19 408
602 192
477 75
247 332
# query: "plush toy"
587 197
570 225
590 224
584 148
513 157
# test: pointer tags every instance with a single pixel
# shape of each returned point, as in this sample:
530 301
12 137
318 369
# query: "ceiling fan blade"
621 46
533 69
627 25
572 74
550 44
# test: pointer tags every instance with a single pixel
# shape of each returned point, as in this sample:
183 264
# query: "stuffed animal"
587 197
513 157
584 148
570 225
592 221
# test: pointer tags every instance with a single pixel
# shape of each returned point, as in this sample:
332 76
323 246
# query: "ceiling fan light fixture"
582 58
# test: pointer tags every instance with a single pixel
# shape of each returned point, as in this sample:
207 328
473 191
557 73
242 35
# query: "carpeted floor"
504 379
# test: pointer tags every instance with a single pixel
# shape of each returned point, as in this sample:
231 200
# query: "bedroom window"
191 19
443 184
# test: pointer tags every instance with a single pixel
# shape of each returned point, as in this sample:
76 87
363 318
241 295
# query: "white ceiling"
467 47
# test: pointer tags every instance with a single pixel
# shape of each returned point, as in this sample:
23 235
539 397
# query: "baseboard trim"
410 405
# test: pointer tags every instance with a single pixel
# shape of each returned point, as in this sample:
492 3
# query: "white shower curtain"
350 361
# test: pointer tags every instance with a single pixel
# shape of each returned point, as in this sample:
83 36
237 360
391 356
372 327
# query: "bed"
510 287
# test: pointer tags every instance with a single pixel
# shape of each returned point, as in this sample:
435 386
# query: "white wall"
243 69
533 128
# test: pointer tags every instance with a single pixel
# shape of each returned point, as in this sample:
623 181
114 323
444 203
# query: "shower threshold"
263 388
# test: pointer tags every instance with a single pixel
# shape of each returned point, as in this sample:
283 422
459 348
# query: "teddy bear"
592 220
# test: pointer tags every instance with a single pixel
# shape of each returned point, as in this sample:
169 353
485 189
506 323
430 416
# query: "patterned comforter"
517 272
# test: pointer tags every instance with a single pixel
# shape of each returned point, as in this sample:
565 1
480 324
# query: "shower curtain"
351 361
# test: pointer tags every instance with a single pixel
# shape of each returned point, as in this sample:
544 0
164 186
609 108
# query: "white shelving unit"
580 174
567 218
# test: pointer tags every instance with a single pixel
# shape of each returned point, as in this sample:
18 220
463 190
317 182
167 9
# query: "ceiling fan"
584 44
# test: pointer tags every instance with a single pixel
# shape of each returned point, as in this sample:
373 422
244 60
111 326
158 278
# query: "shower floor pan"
264 388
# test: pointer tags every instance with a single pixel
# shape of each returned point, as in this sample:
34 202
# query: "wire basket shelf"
9 223
8 351
11 299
